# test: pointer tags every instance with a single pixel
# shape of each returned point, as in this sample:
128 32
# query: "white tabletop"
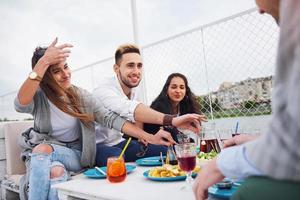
135 187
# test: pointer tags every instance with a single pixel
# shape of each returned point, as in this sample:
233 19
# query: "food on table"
169 171
207 156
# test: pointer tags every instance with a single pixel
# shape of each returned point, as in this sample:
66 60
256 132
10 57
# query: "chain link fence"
229 65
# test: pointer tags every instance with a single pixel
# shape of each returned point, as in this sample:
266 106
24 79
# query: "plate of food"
168 173
93 173
150 161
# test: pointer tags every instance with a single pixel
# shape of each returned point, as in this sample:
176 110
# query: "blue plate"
223 193
150 161
176 178
93 173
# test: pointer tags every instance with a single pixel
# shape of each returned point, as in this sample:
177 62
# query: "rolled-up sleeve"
112 120
23 108
106 117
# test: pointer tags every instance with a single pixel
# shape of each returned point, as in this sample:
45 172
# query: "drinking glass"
209 138
186 156
171 156
116 169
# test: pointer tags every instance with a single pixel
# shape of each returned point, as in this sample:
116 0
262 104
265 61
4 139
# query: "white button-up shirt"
110 94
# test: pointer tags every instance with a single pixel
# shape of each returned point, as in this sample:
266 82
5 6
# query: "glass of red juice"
186 156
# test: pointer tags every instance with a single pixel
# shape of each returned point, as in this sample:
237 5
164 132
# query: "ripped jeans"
40 167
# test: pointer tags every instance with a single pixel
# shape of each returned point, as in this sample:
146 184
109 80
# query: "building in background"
233 95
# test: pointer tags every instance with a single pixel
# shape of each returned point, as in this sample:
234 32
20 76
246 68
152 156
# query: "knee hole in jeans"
57 171
43 148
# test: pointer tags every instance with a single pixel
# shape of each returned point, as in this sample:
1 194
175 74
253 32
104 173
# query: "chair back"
12 132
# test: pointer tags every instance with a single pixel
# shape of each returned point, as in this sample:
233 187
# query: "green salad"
207 156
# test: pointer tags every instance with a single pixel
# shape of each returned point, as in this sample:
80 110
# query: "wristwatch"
34 76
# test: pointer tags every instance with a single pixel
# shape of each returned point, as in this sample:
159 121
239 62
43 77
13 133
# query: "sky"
94 27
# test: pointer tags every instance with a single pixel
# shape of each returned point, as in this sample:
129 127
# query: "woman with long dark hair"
176 98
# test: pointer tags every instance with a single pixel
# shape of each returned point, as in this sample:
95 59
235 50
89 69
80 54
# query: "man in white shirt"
120 94
271 161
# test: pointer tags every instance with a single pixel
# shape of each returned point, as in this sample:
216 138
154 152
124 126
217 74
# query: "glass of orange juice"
116 169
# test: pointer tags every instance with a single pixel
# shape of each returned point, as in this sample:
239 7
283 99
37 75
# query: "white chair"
15 167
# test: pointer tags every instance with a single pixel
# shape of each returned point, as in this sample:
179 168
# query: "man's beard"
127 83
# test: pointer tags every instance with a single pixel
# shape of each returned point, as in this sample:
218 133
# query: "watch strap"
167 121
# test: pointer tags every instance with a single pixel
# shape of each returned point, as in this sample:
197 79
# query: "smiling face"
176 90
129 70
62 74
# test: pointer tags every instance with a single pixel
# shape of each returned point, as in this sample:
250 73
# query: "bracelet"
167 121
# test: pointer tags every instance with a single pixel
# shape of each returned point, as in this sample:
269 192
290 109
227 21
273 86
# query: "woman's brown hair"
52 89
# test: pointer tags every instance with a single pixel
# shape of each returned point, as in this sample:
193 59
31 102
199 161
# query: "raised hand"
55 54
52 55
189 121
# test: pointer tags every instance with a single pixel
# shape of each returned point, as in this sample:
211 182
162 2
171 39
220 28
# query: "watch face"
33 75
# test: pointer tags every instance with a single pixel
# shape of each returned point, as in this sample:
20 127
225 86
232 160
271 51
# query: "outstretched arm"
111 119
146 114
133 110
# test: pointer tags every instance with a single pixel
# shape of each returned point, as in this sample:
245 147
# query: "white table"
135 187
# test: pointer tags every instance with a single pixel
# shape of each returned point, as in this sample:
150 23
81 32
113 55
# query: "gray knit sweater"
39 108
277 153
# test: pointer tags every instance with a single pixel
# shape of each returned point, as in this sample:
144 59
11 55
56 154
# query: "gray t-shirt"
65 127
